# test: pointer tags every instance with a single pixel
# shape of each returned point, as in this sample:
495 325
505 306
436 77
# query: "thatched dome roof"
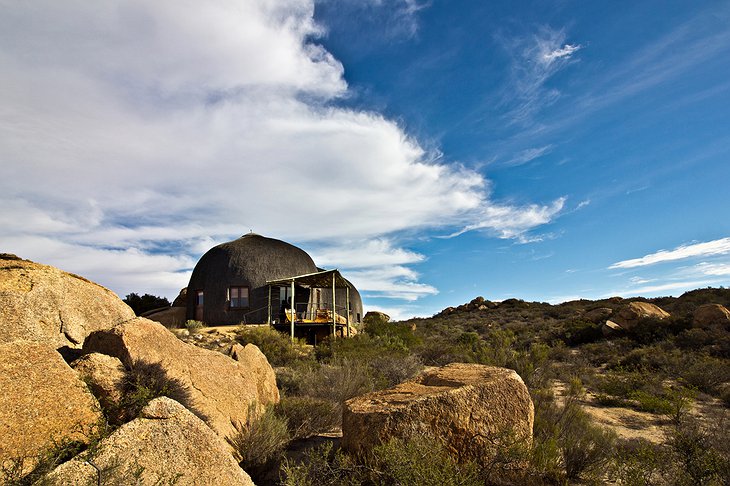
252 260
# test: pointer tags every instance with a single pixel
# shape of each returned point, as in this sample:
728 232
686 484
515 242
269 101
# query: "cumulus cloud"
708 248
134 135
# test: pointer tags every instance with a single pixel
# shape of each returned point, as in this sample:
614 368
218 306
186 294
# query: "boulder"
251 357
172 317
630 315
42 303
182 299
43 402
598 315
610 328
166 444
106 377
711 315
216 387
471 408
376 316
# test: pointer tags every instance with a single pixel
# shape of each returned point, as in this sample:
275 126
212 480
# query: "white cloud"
713 269
134 135
715 247
551 54
528 155
393 282
648 290
513 222
536 59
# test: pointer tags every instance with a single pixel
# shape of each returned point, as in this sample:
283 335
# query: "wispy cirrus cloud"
693 250
504 221
535 59
528 155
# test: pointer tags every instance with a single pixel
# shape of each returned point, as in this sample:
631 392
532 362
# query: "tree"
145 303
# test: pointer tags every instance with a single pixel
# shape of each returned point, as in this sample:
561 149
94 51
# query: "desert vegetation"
673 377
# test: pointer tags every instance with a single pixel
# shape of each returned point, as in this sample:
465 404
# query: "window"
199 297
238 297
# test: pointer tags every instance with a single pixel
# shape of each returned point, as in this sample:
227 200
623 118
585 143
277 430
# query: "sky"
433 151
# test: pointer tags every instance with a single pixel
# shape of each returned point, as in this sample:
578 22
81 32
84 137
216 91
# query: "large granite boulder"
43 403
251 357
630 315
43 303
711 316
106 377
472 408
166 444
217 387
598 315
170 317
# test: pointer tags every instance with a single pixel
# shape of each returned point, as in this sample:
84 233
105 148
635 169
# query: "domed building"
251 280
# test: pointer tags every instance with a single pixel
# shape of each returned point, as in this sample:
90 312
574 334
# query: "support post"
293 311
347 310
268 318
334 308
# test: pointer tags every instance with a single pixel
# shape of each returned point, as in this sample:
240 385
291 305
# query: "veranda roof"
317 280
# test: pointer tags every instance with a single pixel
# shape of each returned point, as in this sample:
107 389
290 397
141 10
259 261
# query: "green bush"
308 416
192 325
277 347
146 381
420 461
566 443
577 331
259 442
638 462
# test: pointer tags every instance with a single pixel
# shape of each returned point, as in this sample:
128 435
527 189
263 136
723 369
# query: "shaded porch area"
318 316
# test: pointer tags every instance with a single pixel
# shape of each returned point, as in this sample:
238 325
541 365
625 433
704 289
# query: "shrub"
703 454
577 331
258 442
639 462
378 327
192 325
337 382
307 416
146 381
419 461
277 347
322 467
707 374
389 370
566 443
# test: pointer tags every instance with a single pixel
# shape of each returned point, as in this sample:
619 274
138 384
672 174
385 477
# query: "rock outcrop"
376 316
182 298
166 444
711 316
629 316
251 357
45 304
170 317
471 408
43 402
106 378
217 387
598 315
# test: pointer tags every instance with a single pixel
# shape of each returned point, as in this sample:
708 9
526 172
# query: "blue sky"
434 151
